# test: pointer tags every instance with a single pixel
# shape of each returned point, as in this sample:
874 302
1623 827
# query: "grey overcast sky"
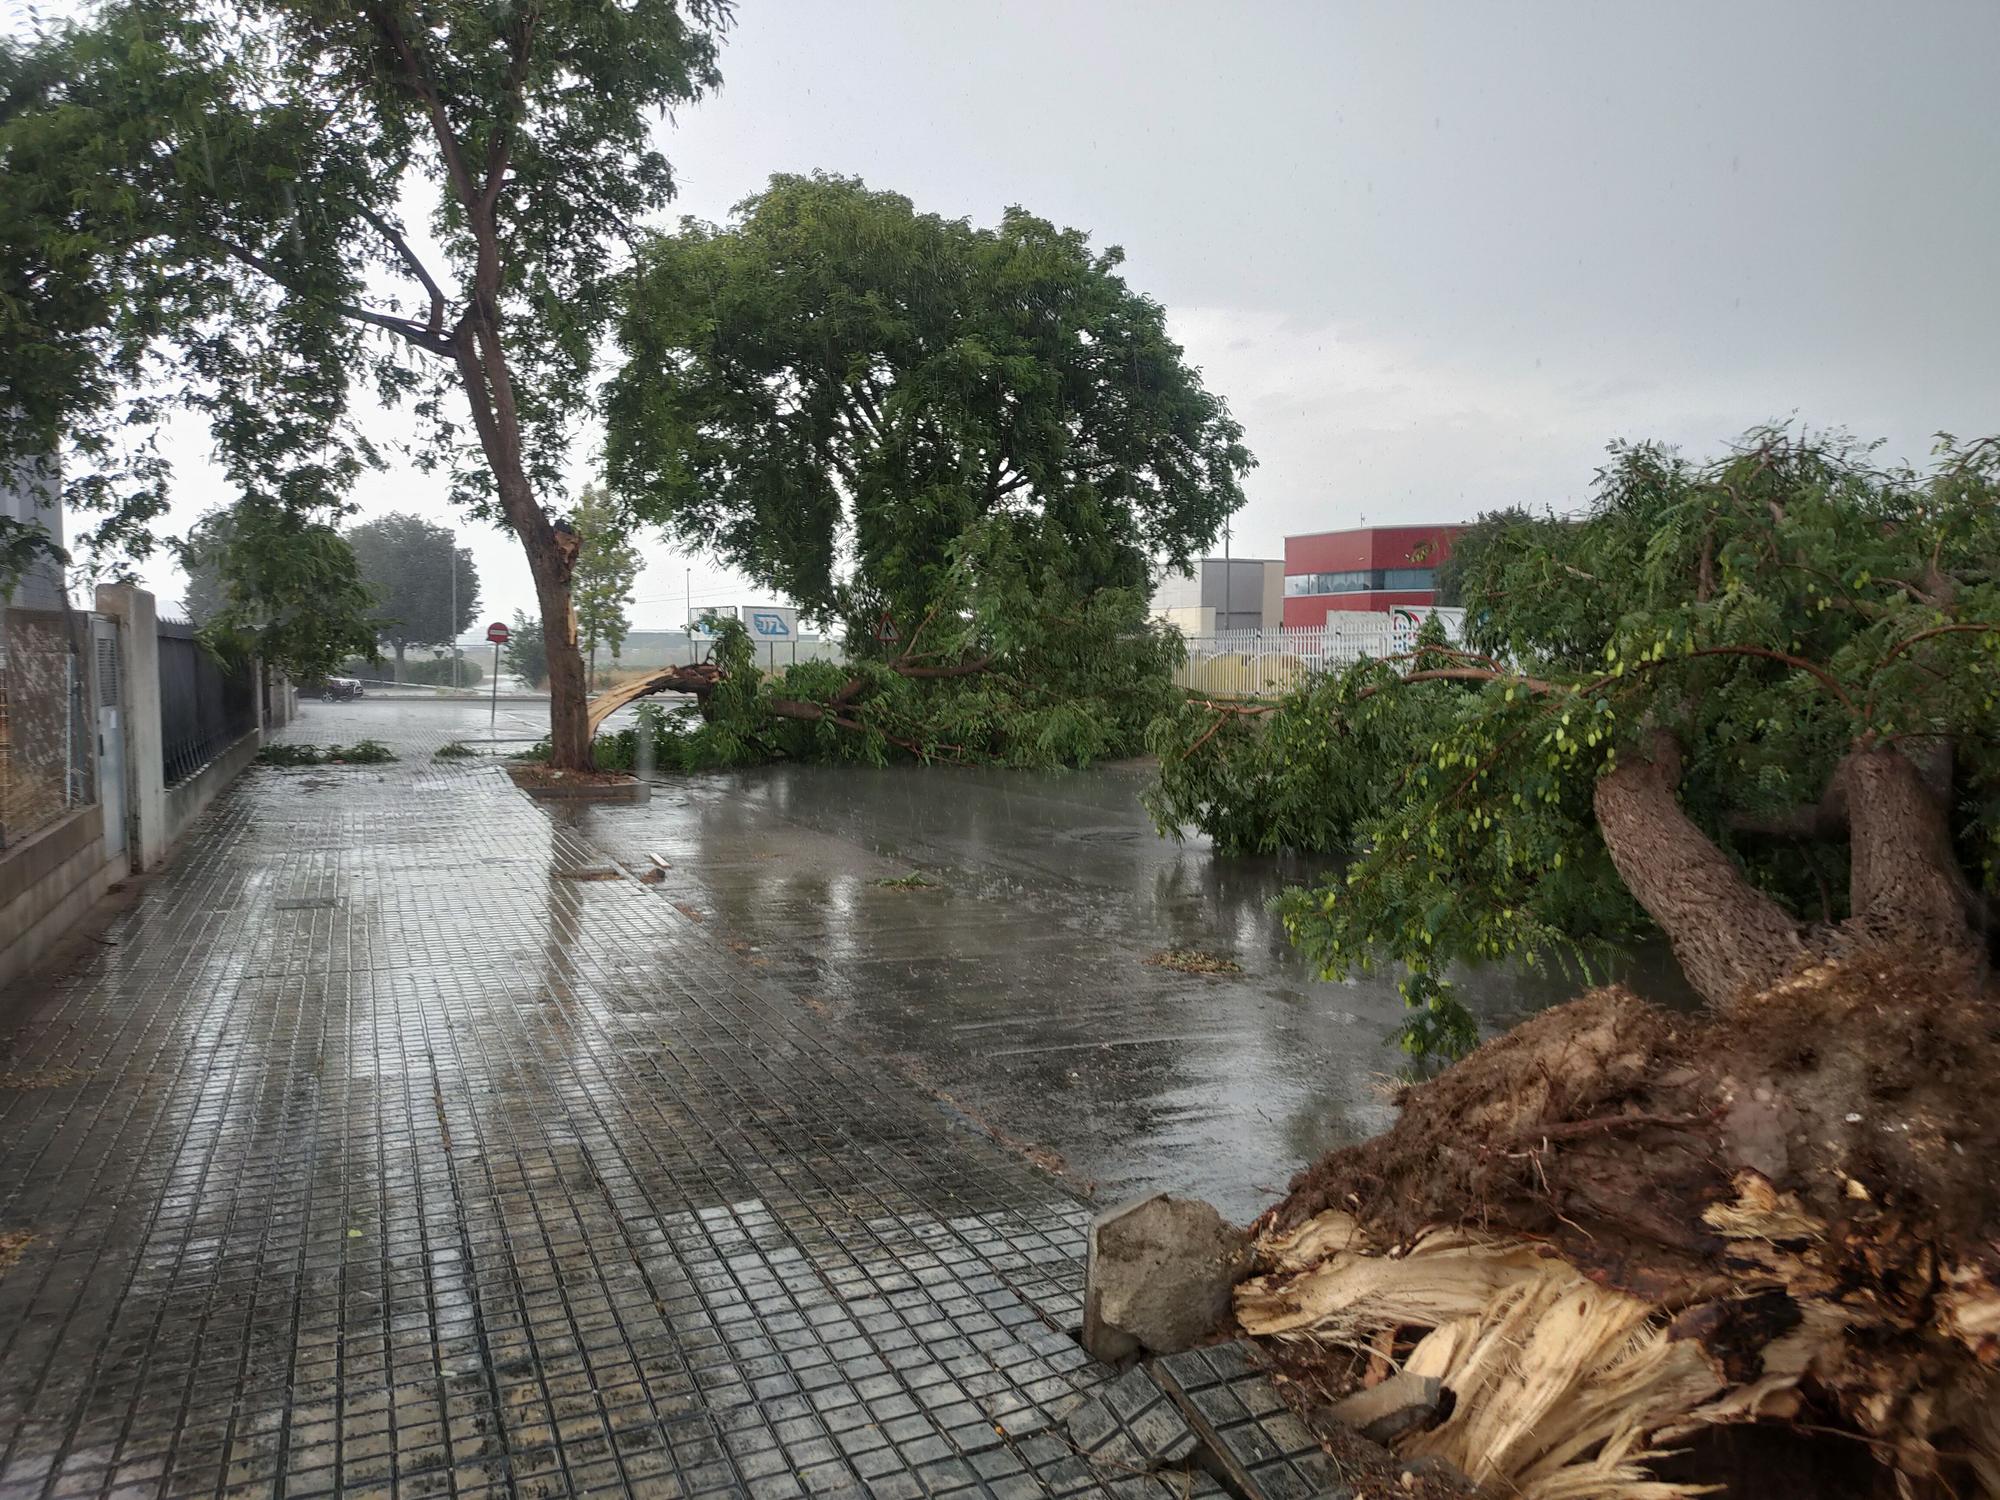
1434 256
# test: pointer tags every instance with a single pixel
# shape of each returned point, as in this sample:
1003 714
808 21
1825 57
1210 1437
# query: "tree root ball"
1616 1233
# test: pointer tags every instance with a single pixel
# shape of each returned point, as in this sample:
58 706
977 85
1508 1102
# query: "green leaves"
606 568
836 371
264 582
1772 610
425 586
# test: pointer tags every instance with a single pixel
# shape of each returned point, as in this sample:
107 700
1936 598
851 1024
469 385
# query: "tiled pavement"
372 1152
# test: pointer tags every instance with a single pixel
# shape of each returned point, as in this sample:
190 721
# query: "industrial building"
1373 568
1236 593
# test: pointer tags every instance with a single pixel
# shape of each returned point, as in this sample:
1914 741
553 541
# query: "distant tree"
835 373
204 210
607 566
526 652
408 564
200 554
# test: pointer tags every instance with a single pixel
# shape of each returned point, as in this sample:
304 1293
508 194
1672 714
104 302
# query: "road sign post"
497 634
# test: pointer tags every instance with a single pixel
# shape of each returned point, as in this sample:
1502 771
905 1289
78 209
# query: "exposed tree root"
1614 1230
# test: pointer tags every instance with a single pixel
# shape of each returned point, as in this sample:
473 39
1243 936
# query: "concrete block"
1158 1276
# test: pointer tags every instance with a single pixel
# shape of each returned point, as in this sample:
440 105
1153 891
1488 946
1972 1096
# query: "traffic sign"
497 633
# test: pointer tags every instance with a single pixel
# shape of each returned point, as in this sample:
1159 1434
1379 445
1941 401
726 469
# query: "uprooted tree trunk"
1615 1233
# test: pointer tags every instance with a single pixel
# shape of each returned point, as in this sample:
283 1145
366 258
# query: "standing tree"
205 210
417 572
201 558
607 566
836 371
290 595
526 651
1751 707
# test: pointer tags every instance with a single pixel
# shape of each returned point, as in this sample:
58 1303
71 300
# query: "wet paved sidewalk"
375 1152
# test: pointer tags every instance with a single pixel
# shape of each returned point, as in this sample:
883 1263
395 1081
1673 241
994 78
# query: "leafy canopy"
835 378
1006 669
288 593
607 567
416 572
206 211
526 652
1771 610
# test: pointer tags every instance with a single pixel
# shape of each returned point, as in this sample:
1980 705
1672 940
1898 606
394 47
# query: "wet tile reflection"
384 1158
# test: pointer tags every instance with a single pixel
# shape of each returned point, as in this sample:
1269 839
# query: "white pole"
1228 616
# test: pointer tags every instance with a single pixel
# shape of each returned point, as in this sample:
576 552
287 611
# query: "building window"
1409 578
1326 583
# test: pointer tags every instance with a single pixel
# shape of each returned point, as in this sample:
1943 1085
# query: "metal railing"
205 705
1270 663
45 720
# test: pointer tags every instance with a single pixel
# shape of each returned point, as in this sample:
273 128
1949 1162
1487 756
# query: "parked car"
340 689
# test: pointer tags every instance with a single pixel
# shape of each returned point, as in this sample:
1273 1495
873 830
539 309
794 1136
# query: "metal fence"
45 720
1269 663
205 705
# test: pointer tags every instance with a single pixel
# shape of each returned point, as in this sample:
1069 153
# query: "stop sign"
497 633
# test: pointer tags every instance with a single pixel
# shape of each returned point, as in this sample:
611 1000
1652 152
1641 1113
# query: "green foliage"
266 582
1302 774
1771 610
607 566
835 369
526 652
368 752
409 564
454 750
998 673
204 213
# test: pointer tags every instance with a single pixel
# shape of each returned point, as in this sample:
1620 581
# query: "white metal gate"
110 735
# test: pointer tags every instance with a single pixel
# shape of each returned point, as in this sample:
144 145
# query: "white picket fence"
1267 663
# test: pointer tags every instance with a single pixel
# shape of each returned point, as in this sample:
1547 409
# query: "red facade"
1371 568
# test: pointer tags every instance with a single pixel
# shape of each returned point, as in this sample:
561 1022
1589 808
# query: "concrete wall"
47 882
186 800
53 877
1240 593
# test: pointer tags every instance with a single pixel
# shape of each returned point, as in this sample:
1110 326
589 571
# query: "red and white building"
1371 568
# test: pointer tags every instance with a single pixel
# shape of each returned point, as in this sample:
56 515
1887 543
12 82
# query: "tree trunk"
592 679
569 706
1906 888
1728 936
482 369
399 664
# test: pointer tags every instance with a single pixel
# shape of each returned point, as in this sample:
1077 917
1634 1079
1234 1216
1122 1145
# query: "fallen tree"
1753 704
1013 664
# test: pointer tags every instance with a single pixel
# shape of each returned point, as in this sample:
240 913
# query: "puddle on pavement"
1025 984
